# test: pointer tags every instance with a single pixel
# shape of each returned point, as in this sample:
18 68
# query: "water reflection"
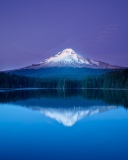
66 106
69 116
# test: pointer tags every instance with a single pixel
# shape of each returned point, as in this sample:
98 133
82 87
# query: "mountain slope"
60 72
69 58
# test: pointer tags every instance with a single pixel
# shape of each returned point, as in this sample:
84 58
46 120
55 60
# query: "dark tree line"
14 81
119 97
114 79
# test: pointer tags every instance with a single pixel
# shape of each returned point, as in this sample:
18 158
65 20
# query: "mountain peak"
68 51
67 58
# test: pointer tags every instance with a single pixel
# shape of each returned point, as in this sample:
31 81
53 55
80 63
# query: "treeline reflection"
112 97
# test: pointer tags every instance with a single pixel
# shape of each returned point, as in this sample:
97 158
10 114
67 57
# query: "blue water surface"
30 133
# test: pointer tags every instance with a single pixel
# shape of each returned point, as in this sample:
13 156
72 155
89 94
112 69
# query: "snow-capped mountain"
66 64
69 116
69 58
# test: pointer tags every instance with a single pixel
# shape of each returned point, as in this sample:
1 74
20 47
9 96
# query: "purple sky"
32 30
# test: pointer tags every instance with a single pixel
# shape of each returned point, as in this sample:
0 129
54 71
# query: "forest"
112 97
115 79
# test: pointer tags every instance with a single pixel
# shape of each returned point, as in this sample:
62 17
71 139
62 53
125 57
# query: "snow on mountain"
69 58
66 58
69 116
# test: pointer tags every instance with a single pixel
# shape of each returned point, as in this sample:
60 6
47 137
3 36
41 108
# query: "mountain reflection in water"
67 106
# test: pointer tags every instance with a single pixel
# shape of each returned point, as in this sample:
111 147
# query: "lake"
63 124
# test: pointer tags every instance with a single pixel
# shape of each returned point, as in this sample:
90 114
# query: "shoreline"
16 89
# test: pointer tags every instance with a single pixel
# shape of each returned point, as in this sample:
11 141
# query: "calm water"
57 124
